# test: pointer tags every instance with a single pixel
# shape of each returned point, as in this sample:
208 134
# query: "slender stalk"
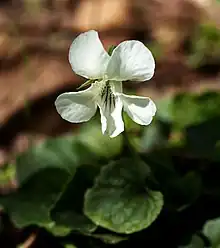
127 146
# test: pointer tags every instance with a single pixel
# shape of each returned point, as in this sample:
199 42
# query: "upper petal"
87 55
140 109
131 60
77 106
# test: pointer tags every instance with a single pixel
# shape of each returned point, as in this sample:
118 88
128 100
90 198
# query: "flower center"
108 97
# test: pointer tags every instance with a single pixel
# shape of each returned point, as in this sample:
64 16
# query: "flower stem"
127 146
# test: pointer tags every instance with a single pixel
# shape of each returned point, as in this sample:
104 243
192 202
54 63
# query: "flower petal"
140 109
77 107
131 60
116 86
110 107
87 56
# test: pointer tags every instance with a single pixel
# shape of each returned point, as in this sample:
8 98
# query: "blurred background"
35 36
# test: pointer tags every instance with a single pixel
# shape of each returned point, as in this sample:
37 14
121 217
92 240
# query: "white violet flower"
130 60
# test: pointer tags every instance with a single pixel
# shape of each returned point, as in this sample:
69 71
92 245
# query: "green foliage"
189 109
204 45
196 242
120 200
68 211
211 230
90 190
7 174
32 202
42 174
70 246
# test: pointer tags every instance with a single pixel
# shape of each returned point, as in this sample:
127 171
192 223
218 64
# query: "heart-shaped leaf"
120 200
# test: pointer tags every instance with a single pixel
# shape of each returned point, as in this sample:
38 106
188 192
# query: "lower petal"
111 118
77 107
140 109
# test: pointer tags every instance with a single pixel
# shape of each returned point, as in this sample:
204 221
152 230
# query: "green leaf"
68 221
179 190
7 174
196 242
186 190
191 109
211 230
109 238
120 200
204 47
42 174
187 109
64 152
68 211
202 139
70 246
58 230
31 203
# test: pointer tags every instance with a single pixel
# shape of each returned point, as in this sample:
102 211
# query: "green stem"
142 169
127 146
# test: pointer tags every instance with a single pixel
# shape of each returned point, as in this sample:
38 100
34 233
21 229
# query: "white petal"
111 118
131 60
140 109
116 86
87 56
77 106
